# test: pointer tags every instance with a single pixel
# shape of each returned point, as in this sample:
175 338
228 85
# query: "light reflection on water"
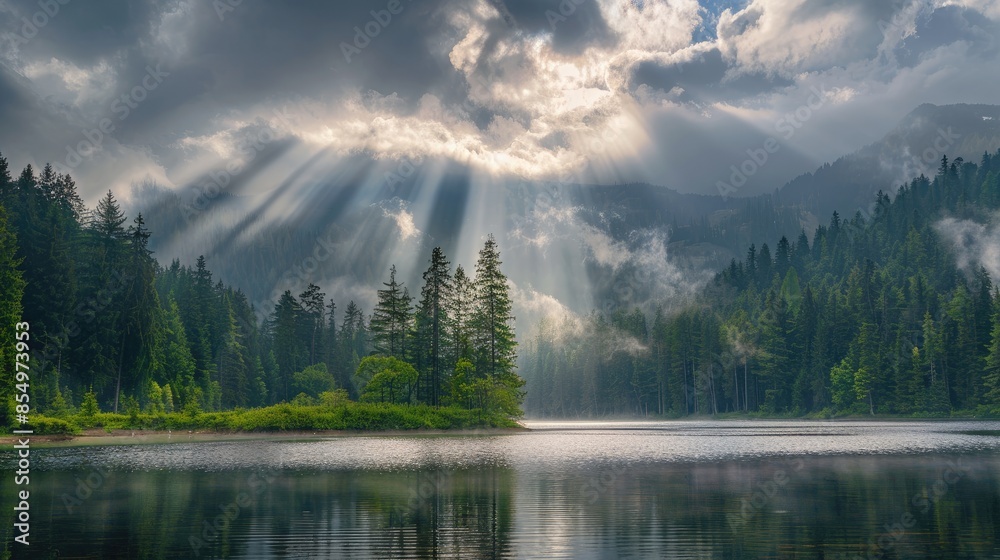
564 490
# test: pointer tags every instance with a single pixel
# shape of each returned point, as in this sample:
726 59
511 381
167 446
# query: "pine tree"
179 365
286 342
139 307
233 375
991 379
460 308
106 277
7 186
352 344
492 321
312 302
331 347
431 323
11 291
391 318
47 236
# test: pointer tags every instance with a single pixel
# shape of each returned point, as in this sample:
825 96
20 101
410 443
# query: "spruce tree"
391 318
460 306
11 291
991 379
492 320
312 301
431 324
287 351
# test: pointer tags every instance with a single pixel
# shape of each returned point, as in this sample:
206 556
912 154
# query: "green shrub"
89 407
335 413
45 425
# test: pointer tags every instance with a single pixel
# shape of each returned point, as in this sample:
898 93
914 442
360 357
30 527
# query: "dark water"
568 490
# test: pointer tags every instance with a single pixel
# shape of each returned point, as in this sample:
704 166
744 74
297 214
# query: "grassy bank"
284 417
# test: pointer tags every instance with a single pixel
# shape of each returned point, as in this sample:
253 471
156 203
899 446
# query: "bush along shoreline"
282 418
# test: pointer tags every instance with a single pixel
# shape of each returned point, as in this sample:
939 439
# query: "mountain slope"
914 147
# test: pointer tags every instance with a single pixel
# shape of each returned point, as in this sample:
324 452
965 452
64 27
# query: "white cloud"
787 37
81 87
398 211
974 243
537 109
989 8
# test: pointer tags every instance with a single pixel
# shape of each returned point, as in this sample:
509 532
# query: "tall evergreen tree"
352 344
288 348
312 301
233 374
493 323
11 291
391 318
460 307
431 323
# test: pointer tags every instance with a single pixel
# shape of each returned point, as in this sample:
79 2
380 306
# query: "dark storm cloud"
82 32
704 79
253 51
436 62
574 24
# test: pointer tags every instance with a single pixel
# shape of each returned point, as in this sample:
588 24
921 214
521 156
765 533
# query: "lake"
728 490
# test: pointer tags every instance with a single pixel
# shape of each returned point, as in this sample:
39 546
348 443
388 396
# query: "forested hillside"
875 314
867 315
111 328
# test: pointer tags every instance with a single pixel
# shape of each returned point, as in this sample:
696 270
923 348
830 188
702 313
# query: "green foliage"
131 407
492 322
59 408
11 291
392 318
45 425
461 389
313 380
192 407
303 399
842 380
337 397
89 407
386 380
431 333
287 417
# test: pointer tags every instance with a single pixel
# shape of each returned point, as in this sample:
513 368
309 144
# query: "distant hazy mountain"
915 146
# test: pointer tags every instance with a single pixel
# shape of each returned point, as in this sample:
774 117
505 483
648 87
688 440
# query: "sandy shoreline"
98 436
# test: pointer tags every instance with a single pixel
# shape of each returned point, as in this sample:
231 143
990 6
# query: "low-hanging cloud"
974 244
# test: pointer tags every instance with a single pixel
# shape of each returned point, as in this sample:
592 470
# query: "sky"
606 91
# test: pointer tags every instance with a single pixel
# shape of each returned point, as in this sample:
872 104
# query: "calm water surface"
564 490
